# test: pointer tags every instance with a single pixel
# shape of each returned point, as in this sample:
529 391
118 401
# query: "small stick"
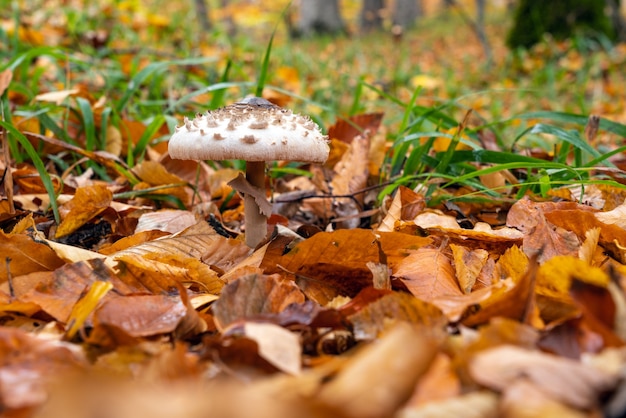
10 277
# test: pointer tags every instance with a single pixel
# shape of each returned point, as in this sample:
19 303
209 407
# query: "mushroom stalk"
256 222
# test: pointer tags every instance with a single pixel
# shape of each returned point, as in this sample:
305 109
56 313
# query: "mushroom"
256 131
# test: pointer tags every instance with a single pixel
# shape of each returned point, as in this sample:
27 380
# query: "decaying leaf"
22 255
381 376
30 366
377 316
277 345
87 203
328 258
468 264
428 274
561 379
170 220
540 236
253 295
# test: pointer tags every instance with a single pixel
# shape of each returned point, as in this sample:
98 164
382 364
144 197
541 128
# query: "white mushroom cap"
252 130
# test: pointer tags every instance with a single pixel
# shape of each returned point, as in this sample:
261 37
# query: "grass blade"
39 165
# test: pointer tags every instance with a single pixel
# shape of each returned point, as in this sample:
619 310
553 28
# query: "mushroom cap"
252 130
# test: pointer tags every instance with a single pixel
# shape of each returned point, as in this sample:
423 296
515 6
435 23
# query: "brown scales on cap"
256 131
252 130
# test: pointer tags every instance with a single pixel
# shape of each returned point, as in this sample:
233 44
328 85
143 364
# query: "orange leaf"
86 204
376 317
25 255
327 258
428 274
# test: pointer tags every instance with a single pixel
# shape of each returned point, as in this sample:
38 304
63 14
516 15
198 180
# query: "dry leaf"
253 295
277 345
87 203
377 316
561 379
380 377
468 264
428 274
327 258
471 405
141 315
56 96
30 367
22 255
171 221
5 80
540 236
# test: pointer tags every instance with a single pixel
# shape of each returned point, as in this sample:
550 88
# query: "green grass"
528 100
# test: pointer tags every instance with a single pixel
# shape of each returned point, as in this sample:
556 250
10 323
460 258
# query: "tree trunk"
320 17
405 13
617 19
202 12
371 18
560 18
480 13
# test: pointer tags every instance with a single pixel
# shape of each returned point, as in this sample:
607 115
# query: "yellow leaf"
85 306
468 264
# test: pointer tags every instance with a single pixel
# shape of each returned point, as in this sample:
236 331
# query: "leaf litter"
351 309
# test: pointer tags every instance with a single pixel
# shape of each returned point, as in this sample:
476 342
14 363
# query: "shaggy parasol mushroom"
256 131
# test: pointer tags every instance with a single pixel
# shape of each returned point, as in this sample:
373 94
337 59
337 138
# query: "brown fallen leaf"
277 345
351 177
57 293
155 174
327 258
406 205
22 255
471 405
468 264
438 383
141 315
541 237
168 220
562 379
428 274
373 319
87 203
524 399
380 377
31 366
253 295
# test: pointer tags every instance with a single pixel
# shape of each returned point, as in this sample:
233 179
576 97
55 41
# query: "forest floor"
462 251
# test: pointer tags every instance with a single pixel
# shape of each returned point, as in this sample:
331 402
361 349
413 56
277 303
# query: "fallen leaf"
253 295
277 345
428 274
141 315
87 203
373 319
168 220
468 264
471 405
23 255
31 366
540 236
327 258
380 377
559 378
5 80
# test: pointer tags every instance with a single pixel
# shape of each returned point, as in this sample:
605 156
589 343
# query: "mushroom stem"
256 222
